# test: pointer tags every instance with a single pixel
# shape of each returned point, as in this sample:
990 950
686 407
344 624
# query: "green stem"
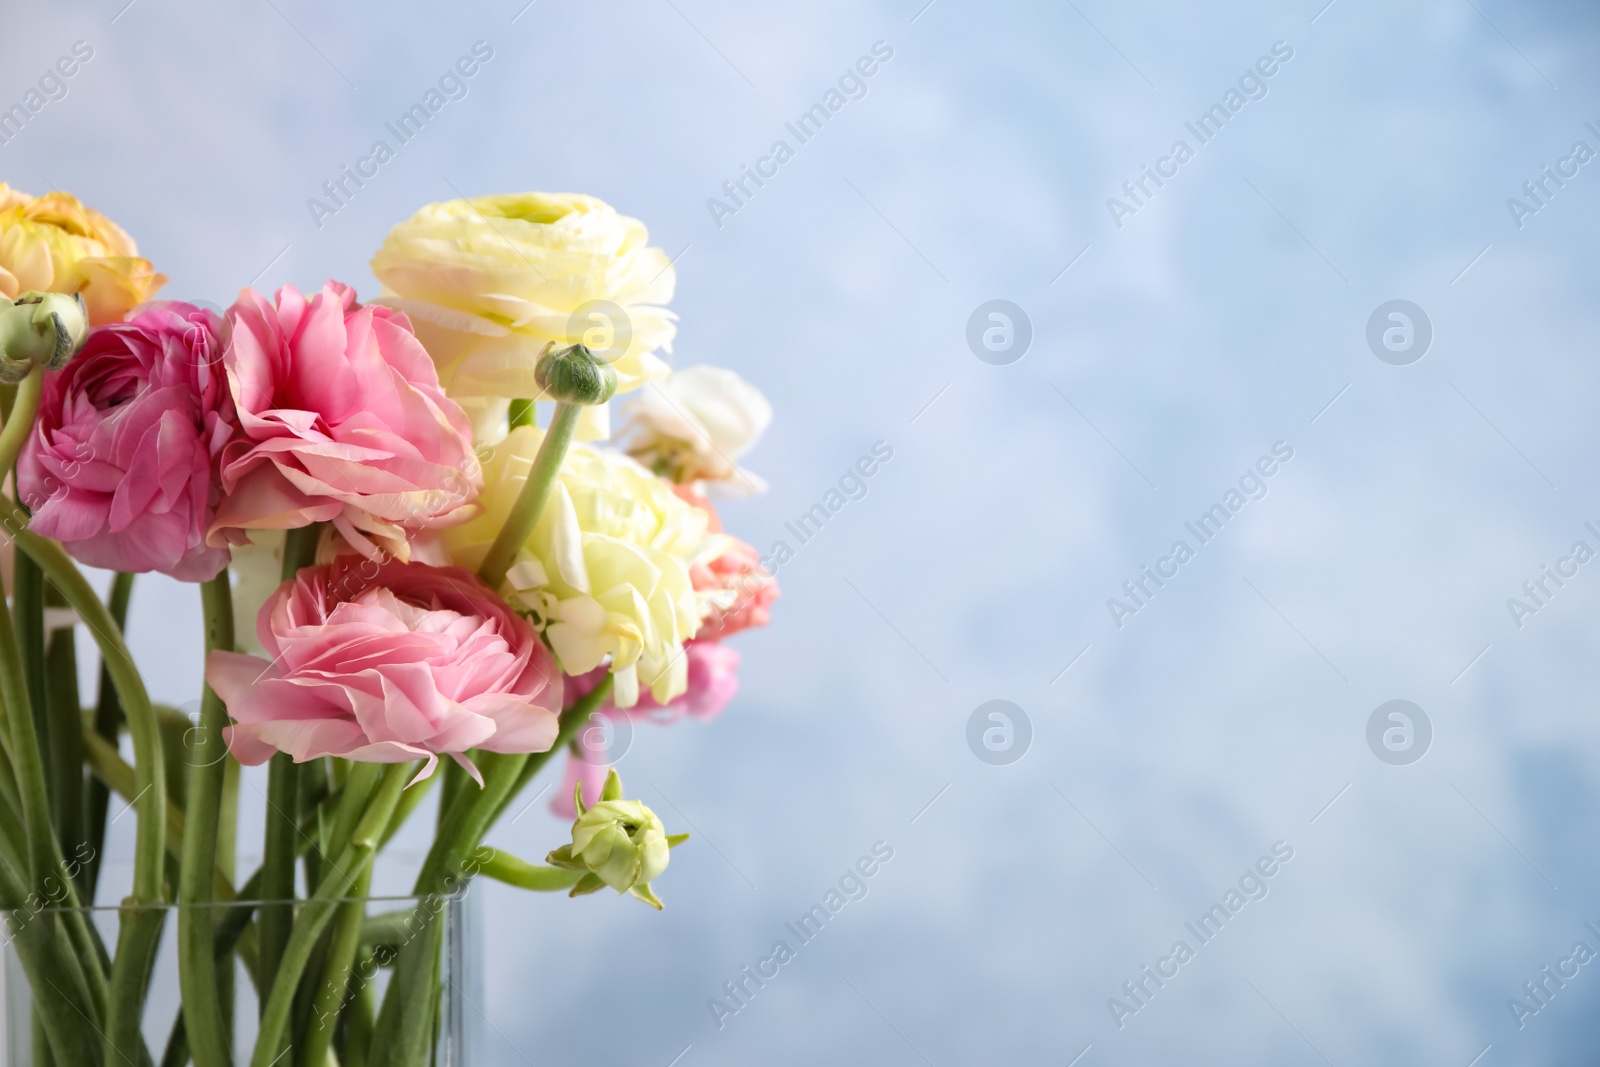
341 957
138 936
542 878
300 548
454 780
227 861
42 1055
275 921
66 745
47 877
409 800
27 605
314 789
107 723
317 911
204 1023
177 1050
359 786
141 915
19 420
358 1030
535 491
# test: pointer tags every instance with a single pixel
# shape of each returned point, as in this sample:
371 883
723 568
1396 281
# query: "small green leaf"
643 893
613 786
674 840
562 857
589 883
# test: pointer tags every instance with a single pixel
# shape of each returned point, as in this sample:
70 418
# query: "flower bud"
619 843
573 375
40 328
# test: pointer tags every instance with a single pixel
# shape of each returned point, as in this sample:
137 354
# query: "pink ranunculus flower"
341 419
122 465
713 682
747 591
388 662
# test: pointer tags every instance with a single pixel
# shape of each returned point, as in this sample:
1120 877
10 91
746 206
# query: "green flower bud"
619 843
573 375
47 329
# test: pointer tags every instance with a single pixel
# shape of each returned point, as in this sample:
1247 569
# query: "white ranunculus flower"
695 425
488 282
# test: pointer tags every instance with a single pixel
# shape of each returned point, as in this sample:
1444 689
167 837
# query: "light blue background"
1221 318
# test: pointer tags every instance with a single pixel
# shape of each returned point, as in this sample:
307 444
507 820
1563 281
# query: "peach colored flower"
53 243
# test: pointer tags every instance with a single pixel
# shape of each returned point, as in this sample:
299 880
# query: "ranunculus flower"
54 244
341 418
741 590
605 572
387 663
122 464
489 281
696 424
712 684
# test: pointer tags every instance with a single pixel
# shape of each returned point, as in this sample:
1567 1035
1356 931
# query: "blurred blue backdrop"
1174 340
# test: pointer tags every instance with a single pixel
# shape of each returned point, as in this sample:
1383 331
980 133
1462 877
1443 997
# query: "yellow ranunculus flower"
54 244
489 281
605 572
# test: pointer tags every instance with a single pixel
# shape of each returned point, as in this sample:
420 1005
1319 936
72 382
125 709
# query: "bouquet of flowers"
398 560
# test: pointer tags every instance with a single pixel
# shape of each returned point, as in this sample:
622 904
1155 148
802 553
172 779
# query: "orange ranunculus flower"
55 244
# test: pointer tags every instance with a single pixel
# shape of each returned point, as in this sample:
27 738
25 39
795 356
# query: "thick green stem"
276 920
66 746
139 929
204 1023
512 870
19 420
107 723
409 800
455 779
358 1028
317 911
28 591
328 1004
316 786
535 491
27 605
227 861
300 548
